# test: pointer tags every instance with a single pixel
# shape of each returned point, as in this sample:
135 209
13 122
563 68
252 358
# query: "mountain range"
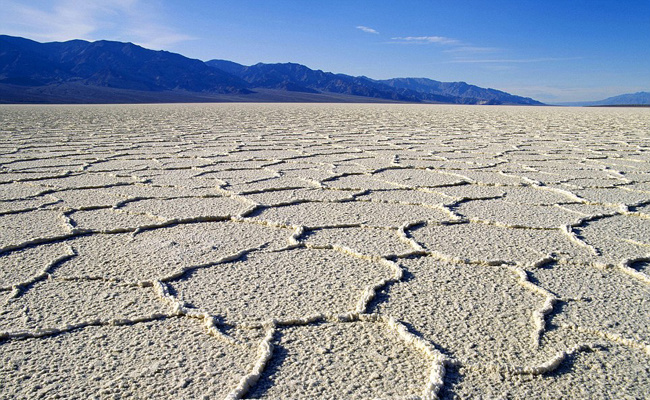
103 71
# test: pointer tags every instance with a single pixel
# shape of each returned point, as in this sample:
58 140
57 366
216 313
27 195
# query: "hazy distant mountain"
639 98
460 91
78 71
629 99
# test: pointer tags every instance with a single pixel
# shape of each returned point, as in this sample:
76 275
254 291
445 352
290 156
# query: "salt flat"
324 251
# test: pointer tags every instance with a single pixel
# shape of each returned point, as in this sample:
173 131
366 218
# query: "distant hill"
78 71
629 99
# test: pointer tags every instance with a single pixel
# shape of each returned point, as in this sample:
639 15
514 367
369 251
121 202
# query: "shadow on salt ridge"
187 208
91 180
419 178
407 196
284 196
359 182
612 372
370 242
510 214
271 184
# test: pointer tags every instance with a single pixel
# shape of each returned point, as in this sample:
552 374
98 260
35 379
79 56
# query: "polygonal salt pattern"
165 252
324 251
440 300
285 285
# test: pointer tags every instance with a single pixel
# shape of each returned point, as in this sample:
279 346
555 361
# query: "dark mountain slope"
108 64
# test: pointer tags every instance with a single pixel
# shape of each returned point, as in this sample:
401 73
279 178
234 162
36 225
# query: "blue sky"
552 50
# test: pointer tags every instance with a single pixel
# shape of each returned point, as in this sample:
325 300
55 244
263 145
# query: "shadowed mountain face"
78 71
108 64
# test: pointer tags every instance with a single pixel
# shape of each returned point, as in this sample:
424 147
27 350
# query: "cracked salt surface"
324 251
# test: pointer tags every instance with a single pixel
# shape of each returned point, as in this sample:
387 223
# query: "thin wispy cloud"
426 40
367 30
514 60
127 20
464 50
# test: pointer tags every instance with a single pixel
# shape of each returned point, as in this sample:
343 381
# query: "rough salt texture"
316 362
281 285
324 251
171 358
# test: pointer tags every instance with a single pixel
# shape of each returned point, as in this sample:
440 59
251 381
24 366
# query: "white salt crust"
324 251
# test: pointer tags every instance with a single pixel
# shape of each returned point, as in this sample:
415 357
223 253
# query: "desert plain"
281 251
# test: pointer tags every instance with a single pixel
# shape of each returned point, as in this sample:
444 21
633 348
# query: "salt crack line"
370 292
19 288
225 259
541 369
467 261
569 231
538 316
437 371
404 237
40 333
179 308
505 225
265 353
566 193
614 337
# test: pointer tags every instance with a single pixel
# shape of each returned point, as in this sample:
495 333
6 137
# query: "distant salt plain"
324 251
